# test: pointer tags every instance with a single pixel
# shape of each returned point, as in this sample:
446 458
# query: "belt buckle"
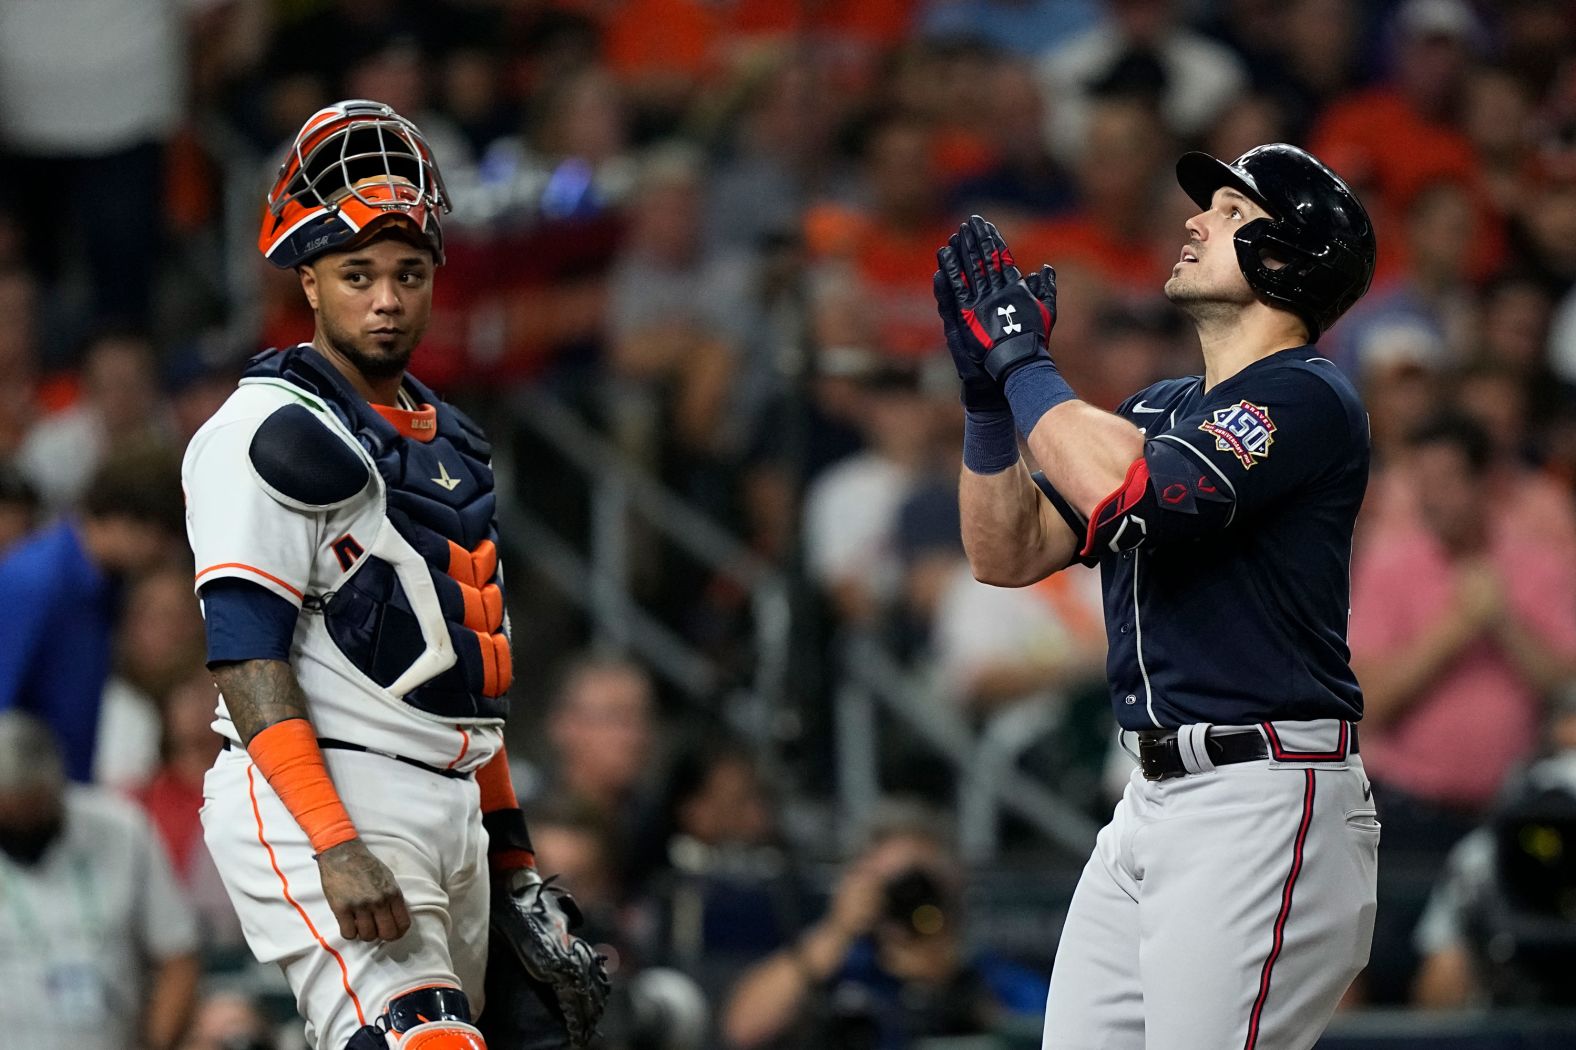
1151 756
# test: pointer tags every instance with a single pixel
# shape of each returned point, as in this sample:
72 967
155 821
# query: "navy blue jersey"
1226 554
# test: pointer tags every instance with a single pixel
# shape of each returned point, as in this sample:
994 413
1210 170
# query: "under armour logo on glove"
1005 318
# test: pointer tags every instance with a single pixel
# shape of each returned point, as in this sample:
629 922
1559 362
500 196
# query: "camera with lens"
918 903
1524 926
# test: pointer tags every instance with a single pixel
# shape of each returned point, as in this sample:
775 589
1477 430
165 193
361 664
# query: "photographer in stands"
1500 927
888 964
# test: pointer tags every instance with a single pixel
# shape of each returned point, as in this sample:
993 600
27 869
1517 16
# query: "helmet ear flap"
1281 266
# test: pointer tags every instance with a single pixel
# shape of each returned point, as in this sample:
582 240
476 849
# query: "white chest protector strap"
416 579
304 458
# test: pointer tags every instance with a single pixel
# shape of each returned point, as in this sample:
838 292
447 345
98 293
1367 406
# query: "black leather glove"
981 393
1005 321
534 919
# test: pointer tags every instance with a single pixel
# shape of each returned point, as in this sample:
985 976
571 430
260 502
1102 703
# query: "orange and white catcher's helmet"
352 165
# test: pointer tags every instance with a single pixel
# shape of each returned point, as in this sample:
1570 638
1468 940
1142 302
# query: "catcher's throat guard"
352 165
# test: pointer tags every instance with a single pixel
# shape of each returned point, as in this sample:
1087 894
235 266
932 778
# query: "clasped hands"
996 320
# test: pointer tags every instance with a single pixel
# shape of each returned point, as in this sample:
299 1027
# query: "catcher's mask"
352 165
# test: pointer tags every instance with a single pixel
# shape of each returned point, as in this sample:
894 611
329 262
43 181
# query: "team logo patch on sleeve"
1244 429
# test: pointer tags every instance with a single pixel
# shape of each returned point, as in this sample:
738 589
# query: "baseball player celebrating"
1230 901
342 518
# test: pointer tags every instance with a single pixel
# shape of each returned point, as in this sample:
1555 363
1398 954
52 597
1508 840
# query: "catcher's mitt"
534 918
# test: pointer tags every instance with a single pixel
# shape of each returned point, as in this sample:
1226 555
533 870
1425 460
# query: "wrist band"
508 840
292 763
989 444
1033 390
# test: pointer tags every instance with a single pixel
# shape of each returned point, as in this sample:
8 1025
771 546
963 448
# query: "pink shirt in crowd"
1480 717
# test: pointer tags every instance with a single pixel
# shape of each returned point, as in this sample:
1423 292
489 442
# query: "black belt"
1160 756
345 745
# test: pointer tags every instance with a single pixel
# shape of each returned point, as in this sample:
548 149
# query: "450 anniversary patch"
1243 429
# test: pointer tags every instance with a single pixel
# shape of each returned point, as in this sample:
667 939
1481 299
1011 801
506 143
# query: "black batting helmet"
1317 231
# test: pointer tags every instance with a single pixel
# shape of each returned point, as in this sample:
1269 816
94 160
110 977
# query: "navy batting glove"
981 393
1004 323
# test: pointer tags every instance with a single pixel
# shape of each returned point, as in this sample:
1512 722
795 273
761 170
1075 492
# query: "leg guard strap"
437 1017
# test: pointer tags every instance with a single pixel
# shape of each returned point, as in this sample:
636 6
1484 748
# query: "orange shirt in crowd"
1139 266
695 38
893 266
1376 139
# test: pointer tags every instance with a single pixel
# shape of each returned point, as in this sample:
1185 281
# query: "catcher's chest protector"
438 497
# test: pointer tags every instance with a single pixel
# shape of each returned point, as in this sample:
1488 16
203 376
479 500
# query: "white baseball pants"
425 827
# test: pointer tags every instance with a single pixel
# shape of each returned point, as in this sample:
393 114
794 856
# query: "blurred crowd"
708 227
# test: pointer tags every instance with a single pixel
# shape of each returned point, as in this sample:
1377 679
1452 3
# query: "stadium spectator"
678 316
1431 304
1498 115
159 643
1198 76
1401 389
999 647
1458 632
777 155
19 507
850 511
105 949
1116 231
603 732
1301 55
1023 181
1397 138
872 262
888 964
1498 928
120 405
118 68
1544 223
172 795
729 894
63 583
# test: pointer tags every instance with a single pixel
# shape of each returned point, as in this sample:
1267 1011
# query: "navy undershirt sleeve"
246 621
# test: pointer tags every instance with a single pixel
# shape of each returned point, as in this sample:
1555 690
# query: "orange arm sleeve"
289 758
509 843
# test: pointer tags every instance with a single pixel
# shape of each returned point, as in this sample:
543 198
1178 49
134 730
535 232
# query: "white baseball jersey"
239 528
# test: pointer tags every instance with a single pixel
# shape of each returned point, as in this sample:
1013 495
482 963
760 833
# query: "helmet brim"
1200 175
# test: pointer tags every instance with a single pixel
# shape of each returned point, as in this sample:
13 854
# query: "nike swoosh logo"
1143 406
1368 792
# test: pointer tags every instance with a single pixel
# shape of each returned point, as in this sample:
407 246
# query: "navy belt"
346 745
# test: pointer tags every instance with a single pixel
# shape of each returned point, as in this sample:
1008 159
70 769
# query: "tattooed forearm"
259 693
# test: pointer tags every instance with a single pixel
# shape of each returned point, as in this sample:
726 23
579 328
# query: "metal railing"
872 683
989 783
599 581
